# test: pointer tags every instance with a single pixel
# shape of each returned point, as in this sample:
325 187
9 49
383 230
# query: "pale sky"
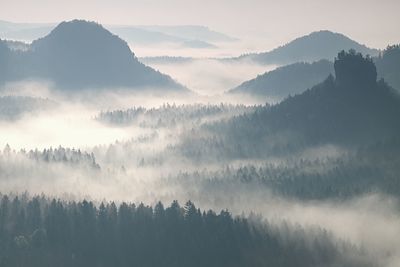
372 22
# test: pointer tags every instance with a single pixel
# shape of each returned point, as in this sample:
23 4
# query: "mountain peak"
326 33
317 45
81 28
82 33
77 23
78 26
83 54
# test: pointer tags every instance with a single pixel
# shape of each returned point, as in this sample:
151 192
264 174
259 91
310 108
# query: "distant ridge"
135 34
312 47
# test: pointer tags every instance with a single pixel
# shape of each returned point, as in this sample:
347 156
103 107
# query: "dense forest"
350 109
367 170
171 115
49 232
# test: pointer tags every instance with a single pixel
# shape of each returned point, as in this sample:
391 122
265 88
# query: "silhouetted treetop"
354 70
49 232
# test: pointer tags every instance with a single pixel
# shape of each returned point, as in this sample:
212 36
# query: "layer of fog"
211 76
71 123
220 49
370 221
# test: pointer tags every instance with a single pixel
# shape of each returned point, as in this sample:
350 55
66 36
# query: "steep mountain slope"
309 48
81 54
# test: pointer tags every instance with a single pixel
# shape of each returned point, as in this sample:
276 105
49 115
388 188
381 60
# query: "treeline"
171 115
326 172
369 169
42 232
69 156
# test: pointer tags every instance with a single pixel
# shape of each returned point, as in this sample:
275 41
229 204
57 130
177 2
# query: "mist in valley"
139 158
127 145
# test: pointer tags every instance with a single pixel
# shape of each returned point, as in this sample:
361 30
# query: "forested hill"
297 77
283 81
353 108
80 54
315 46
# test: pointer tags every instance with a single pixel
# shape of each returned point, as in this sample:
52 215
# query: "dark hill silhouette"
353 109
80 54
283 81
296 78
309 48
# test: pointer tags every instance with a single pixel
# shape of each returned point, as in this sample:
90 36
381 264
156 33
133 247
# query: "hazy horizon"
256 21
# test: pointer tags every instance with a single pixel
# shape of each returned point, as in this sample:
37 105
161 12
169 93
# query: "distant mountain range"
315 46
297 77
80 54
191 32
26 32
190 36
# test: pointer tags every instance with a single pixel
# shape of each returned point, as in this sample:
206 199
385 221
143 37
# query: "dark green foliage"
80 234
